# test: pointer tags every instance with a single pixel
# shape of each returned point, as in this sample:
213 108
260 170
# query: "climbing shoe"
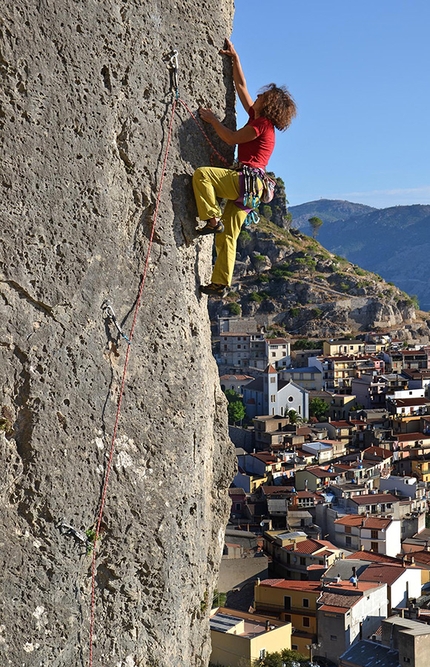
208 229
213 289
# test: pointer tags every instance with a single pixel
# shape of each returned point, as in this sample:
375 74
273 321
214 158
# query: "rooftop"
292 585
374 499
383 573
372 556
373 523
242 624
370 654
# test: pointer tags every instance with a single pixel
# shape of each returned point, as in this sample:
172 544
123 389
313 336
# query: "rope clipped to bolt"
122 386
109 312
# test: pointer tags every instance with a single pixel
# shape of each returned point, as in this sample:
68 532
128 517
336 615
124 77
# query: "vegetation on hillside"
298 288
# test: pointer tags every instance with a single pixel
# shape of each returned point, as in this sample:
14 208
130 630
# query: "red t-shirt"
256 153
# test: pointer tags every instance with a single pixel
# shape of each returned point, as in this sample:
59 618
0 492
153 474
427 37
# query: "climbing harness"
250 186
109 313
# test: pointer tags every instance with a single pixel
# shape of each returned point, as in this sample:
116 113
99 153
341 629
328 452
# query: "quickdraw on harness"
250 184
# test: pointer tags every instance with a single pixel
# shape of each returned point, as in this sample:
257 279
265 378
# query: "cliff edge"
86 103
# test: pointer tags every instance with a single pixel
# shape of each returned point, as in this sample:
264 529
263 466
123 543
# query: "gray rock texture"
86 103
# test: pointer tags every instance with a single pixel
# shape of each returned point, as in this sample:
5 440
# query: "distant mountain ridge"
392 242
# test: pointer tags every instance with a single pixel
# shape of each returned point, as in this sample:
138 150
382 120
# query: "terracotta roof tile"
292 584
370 555
382 573
336 610
374 499
311 547
350 520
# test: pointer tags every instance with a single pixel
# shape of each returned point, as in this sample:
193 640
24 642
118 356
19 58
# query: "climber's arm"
231 137
238 76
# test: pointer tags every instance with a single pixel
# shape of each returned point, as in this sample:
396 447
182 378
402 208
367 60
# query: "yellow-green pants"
211 183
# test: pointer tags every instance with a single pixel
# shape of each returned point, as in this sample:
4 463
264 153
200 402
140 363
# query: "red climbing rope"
121 391
217 153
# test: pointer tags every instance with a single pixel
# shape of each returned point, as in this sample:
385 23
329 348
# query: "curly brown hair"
279 107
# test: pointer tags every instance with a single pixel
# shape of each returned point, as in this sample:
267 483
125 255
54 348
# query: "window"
295 647
287 602
305 602
302 560
287 618
347 529
262 653
374 534
348 541
290 399
273 379
374 547
273 354
306 622
272 398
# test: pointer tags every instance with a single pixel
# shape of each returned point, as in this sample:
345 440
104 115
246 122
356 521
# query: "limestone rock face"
86 104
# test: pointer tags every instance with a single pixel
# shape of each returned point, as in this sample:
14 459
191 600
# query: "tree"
285 658
234 308
318 408
236 412
235 408
267 211
294 417
315 223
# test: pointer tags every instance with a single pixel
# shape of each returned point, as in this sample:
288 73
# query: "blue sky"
359 73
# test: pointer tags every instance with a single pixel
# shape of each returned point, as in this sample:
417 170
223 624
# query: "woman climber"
273 108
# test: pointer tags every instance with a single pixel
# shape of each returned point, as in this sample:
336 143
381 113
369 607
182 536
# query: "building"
403 579
403 582
339 371
341 405
341 347
308 377
368 653
348 611
410 638
269 395
377 503
295 556
278 352
271 430
321 451
327 615
377 534
408 406
239 638
235 382
370 390
292 601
